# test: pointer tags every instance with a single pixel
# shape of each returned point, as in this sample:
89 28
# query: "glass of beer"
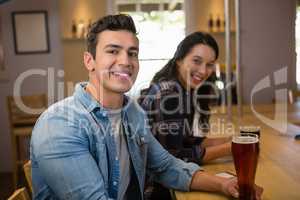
245 149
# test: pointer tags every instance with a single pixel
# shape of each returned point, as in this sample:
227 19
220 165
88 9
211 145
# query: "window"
161 26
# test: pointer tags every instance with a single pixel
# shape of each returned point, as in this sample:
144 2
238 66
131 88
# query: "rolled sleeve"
188 170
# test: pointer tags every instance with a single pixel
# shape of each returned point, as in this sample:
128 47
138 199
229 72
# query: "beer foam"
244 140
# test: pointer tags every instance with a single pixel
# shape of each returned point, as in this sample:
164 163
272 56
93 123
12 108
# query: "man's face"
116 62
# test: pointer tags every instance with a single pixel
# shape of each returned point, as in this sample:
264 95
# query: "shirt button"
117 158
114 183
104 114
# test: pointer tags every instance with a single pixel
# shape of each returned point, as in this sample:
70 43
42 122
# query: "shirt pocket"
102 161
142 144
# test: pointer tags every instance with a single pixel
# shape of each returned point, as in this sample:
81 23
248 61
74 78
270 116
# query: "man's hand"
230 187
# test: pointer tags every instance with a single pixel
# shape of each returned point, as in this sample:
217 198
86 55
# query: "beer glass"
245 149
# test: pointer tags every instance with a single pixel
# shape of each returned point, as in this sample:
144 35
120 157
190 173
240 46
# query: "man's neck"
107 99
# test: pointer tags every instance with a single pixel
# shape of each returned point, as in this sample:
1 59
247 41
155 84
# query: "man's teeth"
121 74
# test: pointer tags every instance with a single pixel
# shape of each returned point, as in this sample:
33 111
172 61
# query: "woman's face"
196 66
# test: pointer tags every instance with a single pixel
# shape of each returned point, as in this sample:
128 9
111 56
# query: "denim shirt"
73 152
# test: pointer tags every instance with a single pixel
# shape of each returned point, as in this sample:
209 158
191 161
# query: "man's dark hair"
112 23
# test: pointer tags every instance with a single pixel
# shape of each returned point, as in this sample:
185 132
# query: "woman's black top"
170 109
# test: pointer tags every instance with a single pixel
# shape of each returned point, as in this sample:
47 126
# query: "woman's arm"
217 151
207 142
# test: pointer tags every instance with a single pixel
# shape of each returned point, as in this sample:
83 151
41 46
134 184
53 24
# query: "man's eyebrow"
133 48
120 47
113 46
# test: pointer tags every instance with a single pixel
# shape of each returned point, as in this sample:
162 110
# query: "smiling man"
113 69
96 144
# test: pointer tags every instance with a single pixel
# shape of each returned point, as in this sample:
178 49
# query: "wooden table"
278 169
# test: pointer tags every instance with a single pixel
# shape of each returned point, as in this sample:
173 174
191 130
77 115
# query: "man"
96 143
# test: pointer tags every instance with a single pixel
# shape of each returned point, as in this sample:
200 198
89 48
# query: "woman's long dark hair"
169 71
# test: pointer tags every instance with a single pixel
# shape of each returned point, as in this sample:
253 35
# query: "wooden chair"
20 194
27 172
21 125
293 96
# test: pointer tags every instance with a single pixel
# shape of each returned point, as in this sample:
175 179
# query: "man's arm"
204 181
64 162
166 169
176 174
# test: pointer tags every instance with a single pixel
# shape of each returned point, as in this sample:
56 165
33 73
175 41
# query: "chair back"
23 112
19 117
27 172
20 194
293 96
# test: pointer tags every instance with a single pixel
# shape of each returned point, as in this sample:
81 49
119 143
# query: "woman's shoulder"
162 87
158 90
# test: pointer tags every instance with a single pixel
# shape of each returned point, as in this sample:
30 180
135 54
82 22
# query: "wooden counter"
278 169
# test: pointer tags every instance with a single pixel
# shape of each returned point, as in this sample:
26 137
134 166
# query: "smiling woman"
177 102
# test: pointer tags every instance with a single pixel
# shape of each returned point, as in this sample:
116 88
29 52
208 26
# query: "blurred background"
42 45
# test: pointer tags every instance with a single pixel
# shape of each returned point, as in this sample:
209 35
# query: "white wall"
73 48
267 44
198 14
267 40
77 10
18 64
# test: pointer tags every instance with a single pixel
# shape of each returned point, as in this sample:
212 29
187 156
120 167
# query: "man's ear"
89 61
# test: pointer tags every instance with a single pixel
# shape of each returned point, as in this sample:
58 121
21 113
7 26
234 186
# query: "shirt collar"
90 103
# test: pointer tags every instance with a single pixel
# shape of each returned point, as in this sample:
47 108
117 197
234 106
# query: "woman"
177 101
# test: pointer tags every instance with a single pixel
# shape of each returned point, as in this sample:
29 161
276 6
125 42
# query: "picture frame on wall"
31 32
